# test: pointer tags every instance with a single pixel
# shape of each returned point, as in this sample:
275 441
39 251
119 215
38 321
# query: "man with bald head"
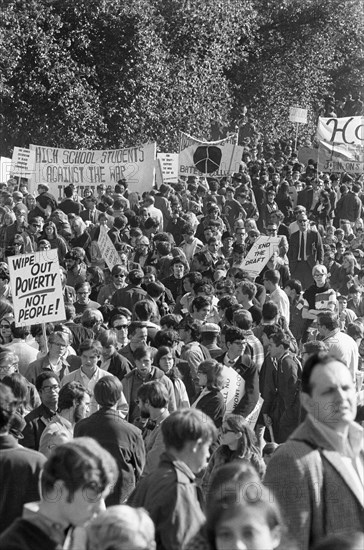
318 474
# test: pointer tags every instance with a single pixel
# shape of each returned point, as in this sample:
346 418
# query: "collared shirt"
280 298
55 531
350 447
88 383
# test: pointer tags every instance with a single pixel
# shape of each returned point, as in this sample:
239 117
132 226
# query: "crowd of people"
184 403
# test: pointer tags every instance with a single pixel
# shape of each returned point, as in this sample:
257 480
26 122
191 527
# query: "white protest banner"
253 416
338 157
23 163
341 144
5 169
259 254
87 169
169 163
298 115
107 249
209 158
233 390
346 130
36 287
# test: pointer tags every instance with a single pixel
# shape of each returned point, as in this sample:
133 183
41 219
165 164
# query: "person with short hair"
121 527
305 250
137 334
83 302
20 467
339 344
74 482
324 453
169 493
25 353
73 405
55 360
89 373
276 294
123 441
145 372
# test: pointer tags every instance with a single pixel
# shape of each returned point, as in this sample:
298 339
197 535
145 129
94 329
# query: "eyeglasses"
58 344
120 276
5 326
83 293
48 389
119 327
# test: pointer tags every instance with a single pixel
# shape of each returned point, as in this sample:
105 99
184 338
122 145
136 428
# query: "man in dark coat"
19 467
305 251
123 440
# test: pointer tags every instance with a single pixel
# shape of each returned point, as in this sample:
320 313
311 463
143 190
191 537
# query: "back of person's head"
134 326
136 276
20 332
193 277
329 320
155 393
243 319
143 309
121 527
269 311
170 321
186 425
165 338
68 191
233 333
355 331
18 385
163 247
280 339
155 289
230 476
108 390
273 276
80 464
269 449
8 405
70 394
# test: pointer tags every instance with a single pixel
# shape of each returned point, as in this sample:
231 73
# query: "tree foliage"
111 73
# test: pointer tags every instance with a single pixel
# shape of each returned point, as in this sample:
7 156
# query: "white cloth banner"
234 388
88 169
5 169
341 144
36 288
107 249
209 158
259 254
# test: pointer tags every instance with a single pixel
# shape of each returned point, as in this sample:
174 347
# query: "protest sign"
209 158
298 115
233 389
36 288
253 416
23 163
259 254
158 173
86 169
169 164
5 169
341 144
107 249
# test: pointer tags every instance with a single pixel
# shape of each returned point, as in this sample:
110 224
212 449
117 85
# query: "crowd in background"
163 361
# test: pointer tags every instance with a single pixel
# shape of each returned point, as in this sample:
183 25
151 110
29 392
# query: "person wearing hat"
210 333
305 250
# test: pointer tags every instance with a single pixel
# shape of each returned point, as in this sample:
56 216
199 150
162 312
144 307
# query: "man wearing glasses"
54 361
47 384
118 274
